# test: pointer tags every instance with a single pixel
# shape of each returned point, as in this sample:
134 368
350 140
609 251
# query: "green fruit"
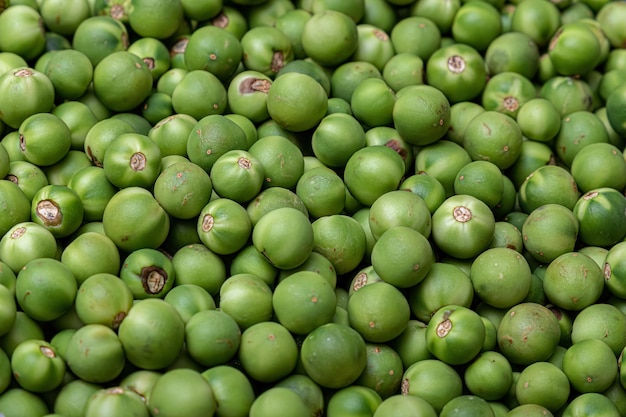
182 392
95 354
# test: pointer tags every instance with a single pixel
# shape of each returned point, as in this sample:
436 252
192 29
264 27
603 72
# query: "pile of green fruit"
341 208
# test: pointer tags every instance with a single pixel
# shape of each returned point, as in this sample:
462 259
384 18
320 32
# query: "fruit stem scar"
49 213
444 328
278 61
137 161
47 352
207 223
153 279
456 64
462 214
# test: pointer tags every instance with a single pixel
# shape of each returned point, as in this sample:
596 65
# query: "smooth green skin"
428 188
501 277
544 111
341 239
113 400
22 32
438 391
196 264
536 19
103 299
231 389
528 333
402 70
266 13
606 163
533 155
44 139
36 366
18 402
141 382
14 206
440 13
405 405
322 191
421 114
319 264
267 352
212 337
544 384
291 23
512 51
374 46
399 208
279 402
70 71
463 226
224 226
189 299
171 134
149 273
430 160
469 404
481 179
332 347
383 372
378 312
445 284
549 231
182 392
307 389
569 45
157 107
7 278
304 301
237 175
362 174
347 76
609 16
8 310
199 94
336 138
495 137
216 134
590 366
132 160
567 94
602 203
251 261
94 354
214 49
455 334
247 95
78 117
353 401
31 88
591 402
416 35
135 88
41 298
457 70
507 235
489 376
101 135
73 396
330 38
573 281
377 112
285 236
91 253
548 184
297 102
156 346
61 172
578 129
477 25
130 208
247 299
603 322
94 190
460 115
99 36
310 68
402 256
63 17
183 189
24 328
